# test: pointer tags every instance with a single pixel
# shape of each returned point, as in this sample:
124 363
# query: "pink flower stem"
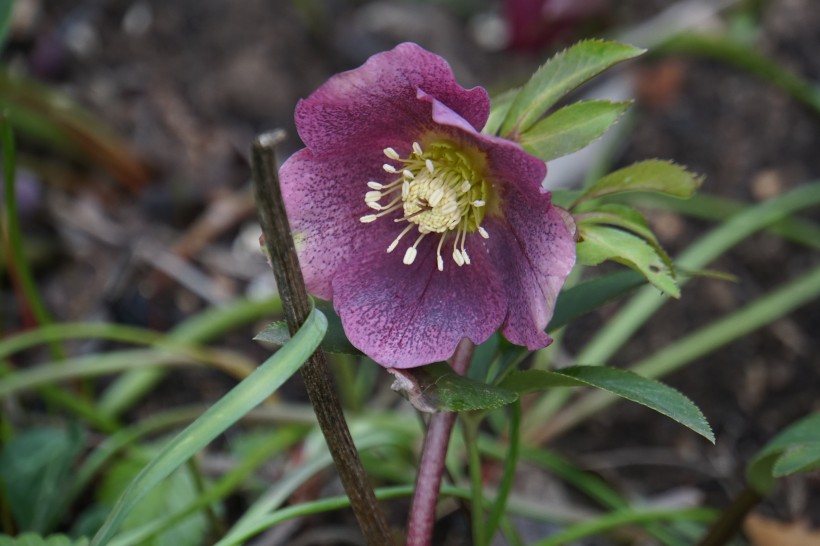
431 469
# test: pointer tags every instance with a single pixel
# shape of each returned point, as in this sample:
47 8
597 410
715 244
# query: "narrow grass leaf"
571 128
33 539
224 413
560 75
622 383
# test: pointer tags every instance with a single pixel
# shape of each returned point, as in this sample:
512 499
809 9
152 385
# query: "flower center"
439 192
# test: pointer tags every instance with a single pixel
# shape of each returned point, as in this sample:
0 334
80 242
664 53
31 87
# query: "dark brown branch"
315 372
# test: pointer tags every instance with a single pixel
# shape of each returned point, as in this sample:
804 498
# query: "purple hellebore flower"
420 229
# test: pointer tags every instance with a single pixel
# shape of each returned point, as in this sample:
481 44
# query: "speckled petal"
375 105
324 197
405 316
533 252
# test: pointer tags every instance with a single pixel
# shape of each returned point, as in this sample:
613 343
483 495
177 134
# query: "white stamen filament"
434 193
395 242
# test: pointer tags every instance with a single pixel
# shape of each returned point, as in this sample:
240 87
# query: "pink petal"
534 252
324 197
375 105
410 315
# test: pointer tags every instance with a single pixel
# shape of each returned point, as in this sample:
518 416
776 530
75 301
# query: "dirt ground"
189 83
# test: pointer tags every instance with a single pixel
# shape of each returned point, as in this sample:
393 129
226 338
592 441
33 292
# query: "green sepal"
436 388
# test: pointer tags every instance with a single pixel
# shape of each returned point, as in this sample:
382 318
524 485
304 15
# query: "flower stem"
470 425
315 372
431 469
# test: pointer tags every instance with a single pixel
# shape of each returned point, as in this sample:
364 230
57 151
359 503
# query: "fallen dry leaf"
763 531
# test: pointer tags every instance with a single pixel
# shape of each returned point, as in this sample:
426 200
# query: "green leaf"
796 449
436 388
224 413
171 495
803 458
33 539
653 175
571 128
628 218
6 10
35 469
335 340
600 243
589 295
623 383
500 105
560 75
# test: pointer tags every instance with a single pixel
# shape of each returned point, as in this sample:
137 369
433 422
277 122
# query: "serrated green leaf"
35 469
560 75
653 175
802 458
589 295
499 106
33 539
436 388
803 434
628 218
601 243
335 340
623 383
571 128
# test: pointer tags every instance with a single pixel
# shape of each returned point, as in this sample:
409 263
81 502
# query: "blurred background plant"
133 283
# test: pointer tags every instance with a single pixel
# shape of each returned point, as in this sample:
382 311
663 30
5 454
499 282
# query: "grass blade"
229 409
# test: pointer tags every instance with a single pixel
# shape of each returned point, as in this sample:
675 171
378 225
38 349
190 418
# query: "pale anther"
410 255
389 168
457 257
478 203
483 232
407 174
368 218
391 153
374 185
440 263
417 149
465 186
372 196
430 167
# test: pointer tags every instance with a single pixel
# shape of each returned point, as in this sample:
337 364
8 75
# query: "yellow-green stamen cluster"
439 192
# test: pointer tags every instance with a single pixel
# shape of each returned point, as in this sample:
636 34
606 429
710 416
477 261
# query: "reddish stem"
433 454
